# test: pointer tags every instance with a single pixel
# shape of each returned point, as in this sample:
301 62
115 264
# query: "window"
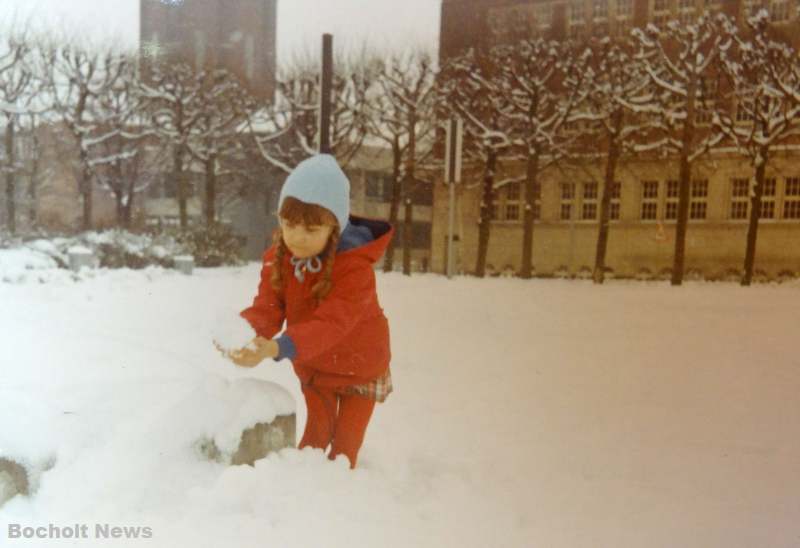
699 199
740 196
519 21
512 191
686 12
779 11
508 203
751 7
791 198
378 186
600 9
671 204
744 111
702 116
649 200
576 12
567 197
613 210
544 15
589 205
624 8
768 198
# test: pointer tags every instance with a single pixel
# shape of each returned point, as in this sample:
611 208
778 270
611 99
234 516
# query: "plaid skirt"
377 390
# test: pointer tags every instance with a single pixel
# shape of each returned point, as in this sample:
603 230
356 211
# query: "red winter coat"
345 340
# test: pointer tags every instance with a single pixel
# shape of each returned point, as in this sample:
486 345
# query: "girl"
318 276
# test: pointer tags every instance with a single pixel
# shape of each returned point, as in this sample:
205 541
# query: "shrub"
215 245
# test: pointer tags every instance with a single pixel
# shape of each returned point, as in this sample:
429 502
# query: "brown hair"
296 212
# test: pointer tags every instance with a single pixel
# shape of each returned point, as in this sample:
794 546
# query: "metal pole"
452 175
325 95
451 219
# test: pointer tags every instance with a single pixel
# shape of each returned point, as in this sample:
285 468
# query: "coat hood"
379 231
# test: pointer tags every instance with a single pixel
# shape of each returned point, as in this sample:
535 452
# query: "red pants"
337 419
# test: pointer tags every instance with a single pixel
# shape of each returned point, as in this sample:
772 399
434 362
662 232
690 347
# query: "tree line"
679 91
674 92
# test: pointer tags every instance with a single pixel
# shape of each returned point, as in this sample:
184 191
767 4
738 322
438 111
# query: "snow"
79 250
525 413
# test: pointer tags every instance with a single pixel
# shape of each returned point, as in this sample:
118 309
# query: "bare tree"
74 75
172 100
402 115
543 82
681 61
618 92
763 74
16 93
285 130
118 141
218 133
469 89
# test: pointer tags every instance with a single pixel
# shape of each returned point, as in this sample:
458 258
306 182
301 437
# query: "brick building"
644 204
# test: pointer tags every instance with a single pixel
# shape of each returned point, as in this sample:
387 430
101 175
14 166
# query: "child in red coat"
318 276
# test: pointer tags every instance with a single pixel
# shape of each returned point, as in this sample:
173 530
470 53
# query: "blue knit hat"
319 180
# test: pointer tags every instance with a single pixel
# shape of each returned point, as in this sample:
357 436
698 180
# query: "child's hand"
253 353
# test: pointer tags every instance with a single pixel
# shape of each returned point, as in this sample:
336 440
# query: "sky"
384 23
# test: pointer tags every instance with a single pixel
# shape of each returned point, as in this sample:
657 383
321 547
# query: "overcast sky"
385 23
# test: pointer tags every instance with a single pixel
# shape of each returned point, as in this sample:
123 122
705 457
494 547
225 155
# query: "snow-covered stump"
184 264
80 257
256 442
13 480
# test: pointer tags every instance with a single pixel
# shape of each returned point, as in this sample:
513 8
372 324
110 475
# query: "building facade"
644 198
370 177
238 35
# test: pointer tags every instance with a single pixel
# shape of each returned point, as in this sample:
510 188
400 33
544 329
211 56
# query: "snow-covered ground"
525 413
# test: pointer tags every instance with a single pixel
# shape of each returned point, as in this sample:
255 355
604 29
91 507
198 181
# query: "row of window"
659 200
522 20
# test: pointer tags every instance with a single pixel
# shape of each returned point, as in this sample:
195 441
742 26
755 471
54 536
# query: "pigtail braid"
325 284
277 266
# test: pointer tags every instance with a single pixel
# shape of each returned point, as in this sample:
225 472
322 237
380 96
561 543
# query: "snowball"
231 331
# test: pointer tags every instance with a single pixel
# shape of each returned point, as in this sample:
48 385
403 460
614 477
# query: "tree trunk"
755 215
177 168
34 179
407 231
116 173
526 271
605 201
394 206
409 190
180 184
685 176
485 219
211 189
85 189
11 187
